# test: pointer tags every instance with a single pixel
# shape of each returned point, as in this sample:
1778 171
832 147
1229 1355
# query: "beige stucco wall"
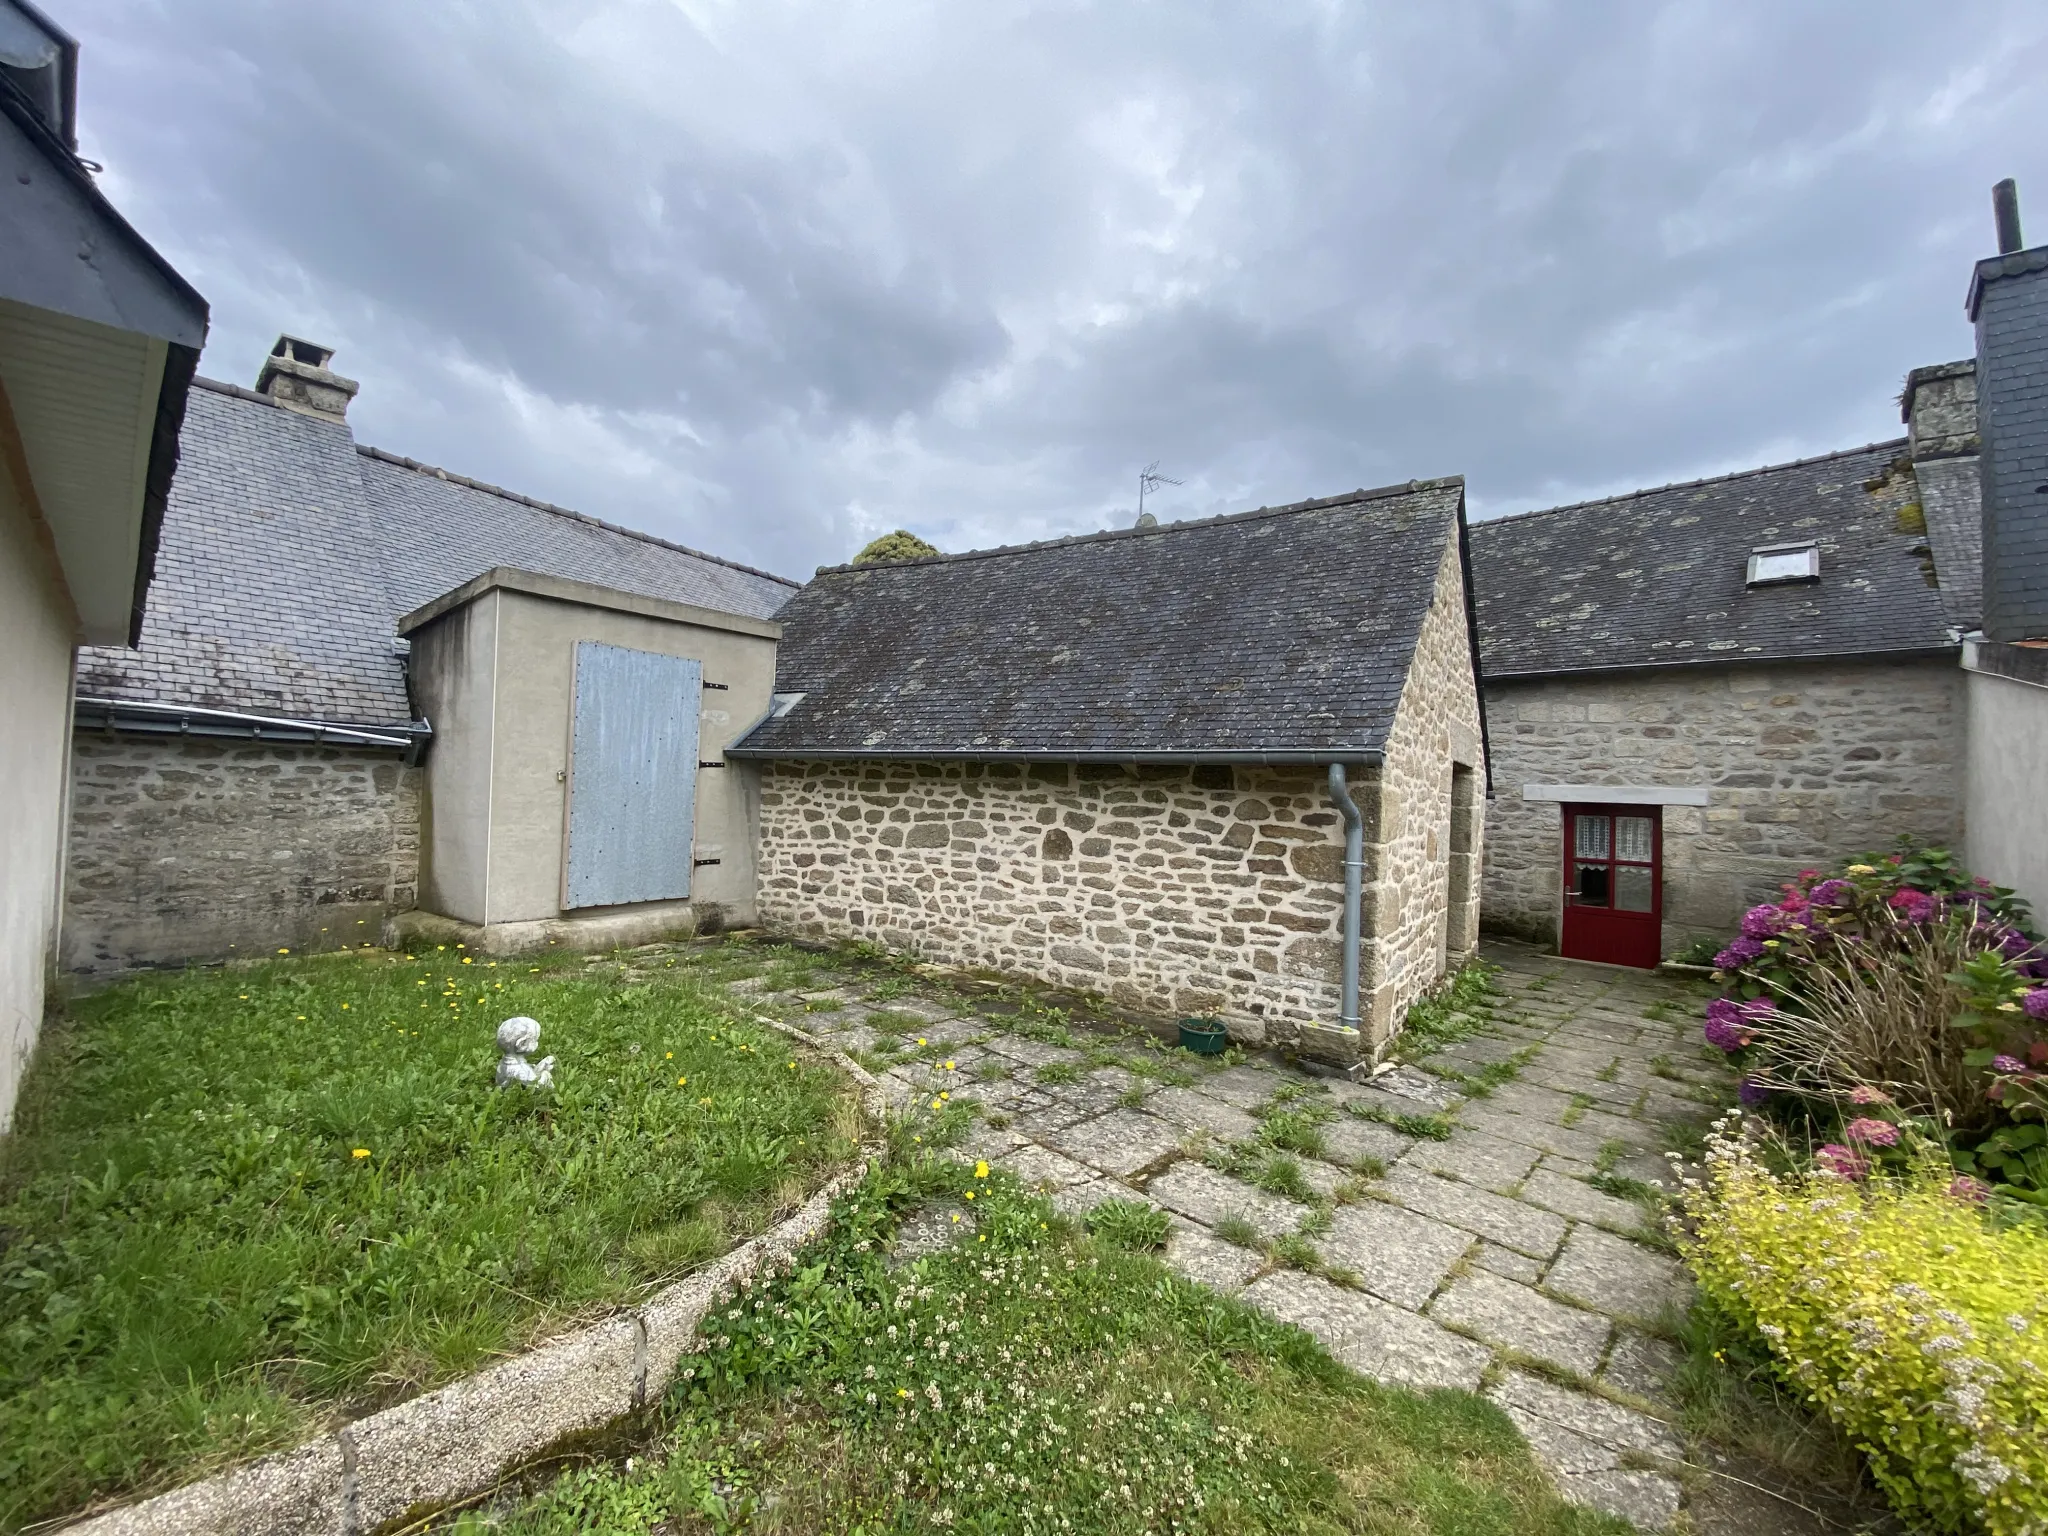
2006 784
1803 763
495 676
35 687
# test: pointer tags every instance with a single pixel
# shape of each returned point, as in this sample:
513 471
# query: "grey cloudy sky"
771 276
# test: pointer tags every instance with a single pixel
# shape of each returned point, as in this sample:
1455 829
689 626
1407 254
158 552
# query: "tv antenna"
1150 479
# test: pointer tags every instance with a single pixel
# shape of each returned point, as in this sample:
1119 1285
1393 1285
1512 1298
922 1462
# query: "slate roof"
1287 631
1658 578
288 553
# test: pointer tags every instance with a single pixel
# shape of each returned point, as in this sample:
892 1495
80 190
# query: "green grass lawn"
1032 1378
240 1204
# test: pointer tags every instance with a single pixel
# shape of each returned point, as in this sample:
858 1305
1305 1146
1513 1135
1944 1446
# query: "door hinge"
700 863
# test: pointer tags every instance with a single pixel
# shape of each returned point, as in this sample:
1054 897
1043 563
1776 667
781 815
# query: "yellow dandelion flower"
970 1194
956 1215
981 1170
360 1152
671 1056
680 1081
703 1101
467 961
935 1103
949 1066
284 951
920 1039
981 1238
905 1391
344 1007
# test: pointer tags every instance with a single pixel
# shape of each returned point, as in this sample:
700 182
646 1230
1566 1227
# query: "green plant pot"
1205 1037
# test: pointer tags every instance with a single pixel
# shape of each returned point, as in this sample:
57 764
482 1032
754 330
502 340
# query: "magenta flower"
2035 1003
1914 906
1751 1092
1738 954
1872 1133
1833 893
1724 1029
1762 922
1842 1162
1963 1187
2007 1064
1863 1093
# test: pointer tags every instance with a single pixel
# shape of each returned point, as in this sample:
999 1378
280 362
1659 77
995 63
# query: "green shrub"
1916 1324
900 545
1129 1224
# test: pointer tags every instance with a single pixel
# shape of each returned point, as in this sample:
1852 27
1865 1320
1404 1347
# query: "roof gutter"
187 720
1725 659
1272 757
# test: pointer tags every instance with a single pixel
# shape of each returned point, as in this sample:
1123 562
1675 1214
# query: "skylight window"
1772 565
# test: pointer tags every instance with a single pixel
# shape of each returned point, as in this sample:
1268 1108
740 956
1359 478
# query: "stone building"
1697 690
1128 762
250 776
1743 676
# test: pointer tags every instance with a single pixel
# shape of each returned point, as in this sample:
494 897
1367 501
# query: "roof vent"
1773 565
296 376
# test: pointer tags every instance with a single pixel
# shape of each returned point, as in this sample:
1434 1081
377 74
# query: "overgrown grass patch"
1451 1011
1035 1380
238 1201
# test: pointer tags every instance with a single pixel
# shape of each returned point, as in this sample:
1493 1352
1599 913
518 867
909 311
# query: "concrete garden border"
436 1450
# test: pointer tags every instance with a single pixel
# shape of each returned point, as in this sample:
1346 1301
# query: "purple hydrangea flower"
2035 1003
1914 906
2007 1064
1832 893
1751 1092
1872 1132
1762 922
1727 1022
1840 1160
2012 943
1738 954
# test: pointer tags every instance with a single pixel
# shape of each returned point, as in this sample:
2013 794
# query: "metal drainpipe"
1354 885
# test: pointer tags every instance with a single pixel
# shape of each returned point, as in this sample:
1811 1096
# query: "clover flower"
1871 1132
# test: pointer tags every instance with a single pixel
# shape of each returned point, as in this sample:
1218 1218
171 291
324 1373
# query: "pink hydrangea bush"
1896 993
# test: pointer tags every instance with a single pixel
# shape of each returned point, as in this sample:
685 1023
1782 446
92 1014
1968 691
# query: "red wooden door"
1613 884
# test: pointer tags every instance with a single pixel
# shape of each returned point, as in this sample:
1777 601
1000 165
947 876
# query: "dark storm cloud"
772 277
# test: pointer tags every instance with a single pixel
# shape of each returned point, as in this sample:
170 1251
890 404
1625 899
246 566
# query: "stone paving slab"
1615 1276
1641 1366
1198 1111
1418 1087
1517 1317
1033 1053
1510 1223
1042 1168
1119 1141
1396 1255
1569 1197
1352 1141
1491 1162
1505 1261
1531 1131
1244 1087
1369 1335
1079 1199
1201 1255
1202 1194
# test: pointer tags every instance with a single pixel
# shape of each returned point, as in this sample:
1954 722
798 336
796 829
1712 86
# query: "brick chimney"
296 376
2009 305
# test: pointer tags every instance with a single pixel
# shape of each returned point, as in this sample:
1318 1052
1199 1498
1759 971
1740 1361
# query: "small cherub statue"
519 1038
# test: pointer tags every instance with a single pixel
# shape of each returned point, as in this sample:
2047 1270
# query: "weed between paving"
239 1205
1032 1378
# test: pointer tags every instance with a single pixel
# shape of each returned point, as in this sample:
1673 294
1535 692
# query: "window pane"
1591 891
1589 839
1631 888
1632 839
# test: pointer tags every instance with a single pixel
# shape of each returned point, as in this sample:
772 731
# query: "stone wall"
1435 728
1172 890
1804 763
202 848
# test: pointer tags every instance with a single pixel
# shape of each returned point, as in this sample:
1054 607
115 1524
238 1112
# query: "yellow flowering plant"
1899 1310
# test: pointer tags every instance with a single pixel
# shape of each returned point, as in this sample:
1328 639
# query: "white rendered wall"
2005 794
35 700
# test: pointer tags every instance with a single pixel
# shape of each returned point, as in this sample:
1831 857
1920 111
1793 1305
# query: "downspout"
1354 886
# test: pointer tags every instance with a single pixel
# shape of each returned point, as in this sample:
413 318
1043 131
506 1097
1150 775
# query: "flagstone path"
1512 1251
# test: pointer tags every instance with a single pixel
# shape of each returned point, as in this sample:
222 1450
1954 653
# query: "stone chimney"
2009 305
1939 407
296 376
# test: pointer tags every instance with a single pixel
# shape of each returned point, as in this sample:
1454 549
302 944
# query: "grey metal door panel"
632 776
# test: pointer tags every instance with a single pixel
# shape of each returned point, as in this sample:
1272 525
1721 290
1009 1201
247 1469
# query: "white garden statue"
519 1038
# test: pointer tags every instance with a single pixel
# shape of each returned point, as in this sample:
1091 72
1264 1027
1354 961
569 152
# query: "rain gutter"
1354 887
188 720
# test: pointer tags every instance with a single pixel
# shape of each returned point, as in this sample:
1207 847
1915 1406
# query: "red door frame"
1590 926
